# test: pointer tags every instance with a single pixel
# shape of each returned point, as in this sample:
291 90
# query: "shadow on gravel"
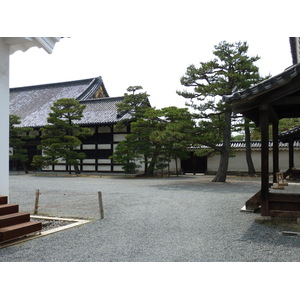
269 235
239 187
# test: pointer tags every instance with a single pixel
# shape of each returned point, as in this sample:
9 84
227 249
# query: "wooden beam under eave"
253 116
273 116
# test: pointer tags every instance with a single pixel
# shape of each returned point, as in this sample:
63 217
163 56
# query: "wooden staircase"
14 224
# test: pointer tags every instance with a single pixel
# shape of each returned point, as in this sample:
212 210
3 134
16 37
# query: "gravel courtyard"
177 219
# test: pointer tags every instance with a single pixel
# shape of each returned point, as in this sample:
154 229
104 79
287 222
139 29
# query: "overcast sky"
147 43
156 62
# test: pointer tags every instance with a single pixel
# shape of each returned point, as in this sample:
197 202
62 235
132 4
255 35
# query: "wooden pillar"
275 150
96 147
291 154
264 126
112 130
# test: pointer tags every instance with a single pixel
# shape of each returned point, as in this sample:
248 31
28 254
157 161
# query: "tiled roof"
280 92
101 111
255 145
293 133
32 103
264 86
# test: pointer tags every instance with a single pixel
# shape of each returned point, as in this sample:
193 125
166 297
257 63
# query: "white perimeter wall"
238 162
171 168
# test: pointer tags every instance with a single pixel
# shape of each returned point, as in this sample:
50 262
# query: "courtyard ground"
177 219
184 219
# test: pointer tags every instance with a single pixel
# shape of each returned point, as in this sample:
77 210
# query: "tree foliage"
17 141
231 69
133 106
157 135
284 125
61 137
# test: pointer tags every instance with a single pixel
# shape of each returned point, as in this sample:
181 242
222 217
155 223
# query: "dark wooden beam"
288 100
264 126
291 154
275 149
273 116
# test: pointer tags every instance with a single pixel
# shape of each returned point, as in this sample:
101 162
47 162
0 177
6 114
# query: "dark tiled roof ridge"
92 88
294 48
292 134
62 83
242 145
290 131
102 99
266 85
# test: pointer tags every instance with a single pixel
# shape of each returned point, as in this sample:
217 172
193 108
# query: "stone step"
14 219
3 199
6 209
16 231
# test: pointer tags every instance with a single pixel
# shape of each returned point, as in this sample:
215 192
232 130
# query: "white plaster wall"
104 146
238 162
104 129
118 169
104 168
59 168
123 129
89 161
104 161
89 168
118 137
4 118
88 146
172 167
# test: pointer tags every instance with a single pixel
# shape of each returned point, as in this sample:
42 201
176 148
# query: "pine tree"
156 137
17 141
231 69
133 106
61 137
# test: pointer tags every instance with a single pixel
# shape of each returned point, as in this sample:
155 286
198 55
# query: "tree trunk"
146 164
223 167
224 159
76 168
251 169
150 171
24 166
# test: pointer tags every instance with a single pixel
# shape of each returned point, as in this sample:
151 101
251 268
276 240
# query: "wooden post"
291 154
36 204
101 205
275 150
264 125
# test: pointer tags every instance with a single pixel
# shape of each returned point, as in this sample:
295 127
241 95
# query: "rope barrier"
71 195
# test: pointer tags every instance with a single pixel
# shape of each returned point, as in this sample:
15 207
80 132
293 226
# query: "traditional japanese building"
32 104
265 104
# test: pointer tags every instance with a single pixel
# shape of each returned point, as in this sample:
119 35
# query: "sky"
147 43
154 64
